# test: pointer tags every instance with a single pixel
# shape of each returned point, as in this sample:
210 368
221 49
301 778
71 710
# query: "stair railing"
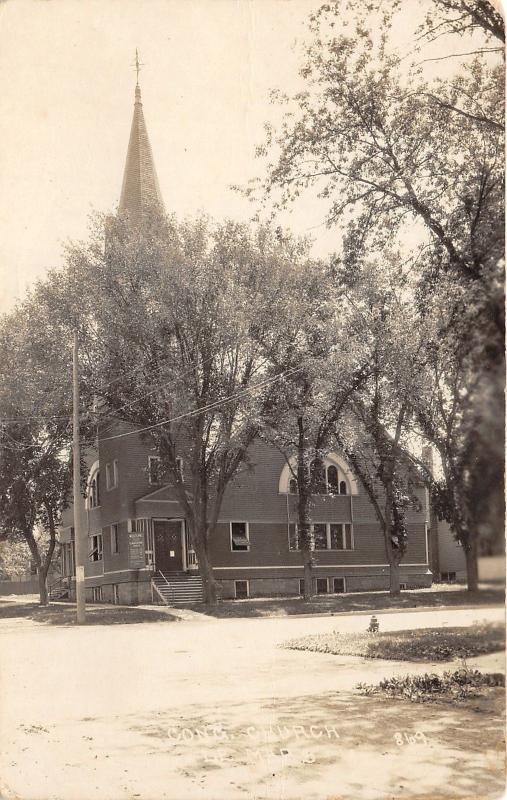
154 586
61 585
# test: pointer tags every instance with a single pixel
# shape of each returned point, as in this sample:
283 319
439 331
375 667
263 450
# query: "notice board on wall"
136 549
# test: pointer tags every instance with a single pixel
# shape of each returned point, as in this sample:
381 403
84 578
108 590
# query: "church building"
139 550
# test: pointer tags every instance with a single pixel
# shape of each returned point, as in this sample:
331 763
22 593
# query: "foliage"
426 644
409 165
305 408
15 559
461 684
177 316
376 438
34 434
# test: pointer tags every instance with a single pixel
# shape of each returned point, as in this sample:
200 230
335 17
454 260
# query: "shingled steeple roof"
140 189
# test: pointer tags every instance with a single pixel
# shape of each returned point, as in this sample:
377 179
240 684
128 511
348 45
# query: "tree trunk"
43 588
198 540
308 574
472 564
394 579
41 571
304 500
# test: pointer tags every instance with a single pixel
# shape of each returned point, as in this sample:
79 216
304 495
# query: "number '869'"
404 737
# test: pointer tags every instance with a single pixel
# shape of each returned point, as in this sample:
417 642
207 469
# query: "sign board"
136 550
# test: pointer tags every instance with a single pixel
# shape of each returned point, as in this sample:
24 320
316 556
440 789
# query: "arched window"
318 476
330 475
93 487
332 479
94 492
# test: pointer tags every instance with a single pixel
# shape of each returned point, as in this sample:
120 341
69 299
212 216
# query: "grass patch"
424 644
65 614
437 596
462 684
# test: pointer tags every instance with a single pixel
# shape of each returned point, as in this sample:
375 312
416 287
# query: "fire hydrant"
373 627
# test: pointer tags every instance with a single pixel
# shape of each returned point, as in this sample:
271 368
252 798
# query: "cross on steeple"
140 188
137 65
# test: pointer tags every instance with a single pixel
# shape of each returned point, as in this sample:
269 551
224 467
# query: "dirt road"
206 708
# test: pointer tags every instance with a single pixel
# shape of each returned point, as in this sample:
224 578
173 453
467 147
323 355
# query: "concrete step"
176 589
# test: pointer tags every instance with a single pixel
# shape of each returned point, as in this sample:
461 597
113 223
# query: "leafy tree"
406 161
15 558
307 337
445 414
376 437
175 316
462 17
34 433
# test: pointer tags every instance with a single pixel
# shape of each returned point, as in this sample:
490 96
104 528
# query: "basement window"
321 585
97 594
241 590
240 541
338 585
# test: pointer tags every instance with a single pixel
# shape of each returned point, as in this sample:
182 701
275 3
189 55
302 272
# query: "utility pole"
79 547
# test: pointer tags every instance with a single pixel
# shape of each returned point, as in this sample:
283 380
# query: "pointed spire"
140 188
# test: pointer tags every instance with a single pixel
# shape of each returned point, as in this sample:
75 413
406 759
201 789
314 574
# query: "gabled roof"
140 189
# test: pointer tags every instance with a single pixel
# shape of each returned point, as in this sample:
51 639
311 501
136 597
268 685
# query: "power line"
111 412
209 407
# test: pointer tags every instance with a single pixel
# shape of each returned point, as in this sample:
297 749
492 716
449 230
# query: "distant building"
139 548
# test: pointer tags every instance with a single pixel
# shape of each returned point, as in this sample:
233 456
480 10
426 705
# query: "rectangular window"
115 543
154 470
241 590
320 536
321 585
340 536
96 547
116 594
239 536
72 558
348 536
293 536
179 467
325 536
301 586
336 530
68 561
338 585
112 475
97 594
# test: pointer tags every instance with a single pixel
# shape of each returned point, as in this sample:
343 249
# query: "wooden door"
168 545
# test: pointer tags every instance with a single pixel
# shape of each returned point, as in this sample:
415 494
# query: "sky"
68 93
67 101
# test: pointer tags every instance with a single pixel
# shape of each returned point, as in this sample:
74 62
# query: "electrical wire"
210 407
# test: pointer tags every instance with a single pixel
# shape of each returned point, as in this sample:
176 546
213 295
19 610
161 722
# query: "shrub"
457 685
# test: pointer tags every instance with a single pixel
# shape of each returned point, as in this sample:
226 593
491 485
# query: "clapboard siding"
253 496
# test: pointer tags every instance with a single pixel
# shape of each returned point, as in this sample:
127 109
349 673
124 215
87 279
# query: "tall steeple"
140 189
